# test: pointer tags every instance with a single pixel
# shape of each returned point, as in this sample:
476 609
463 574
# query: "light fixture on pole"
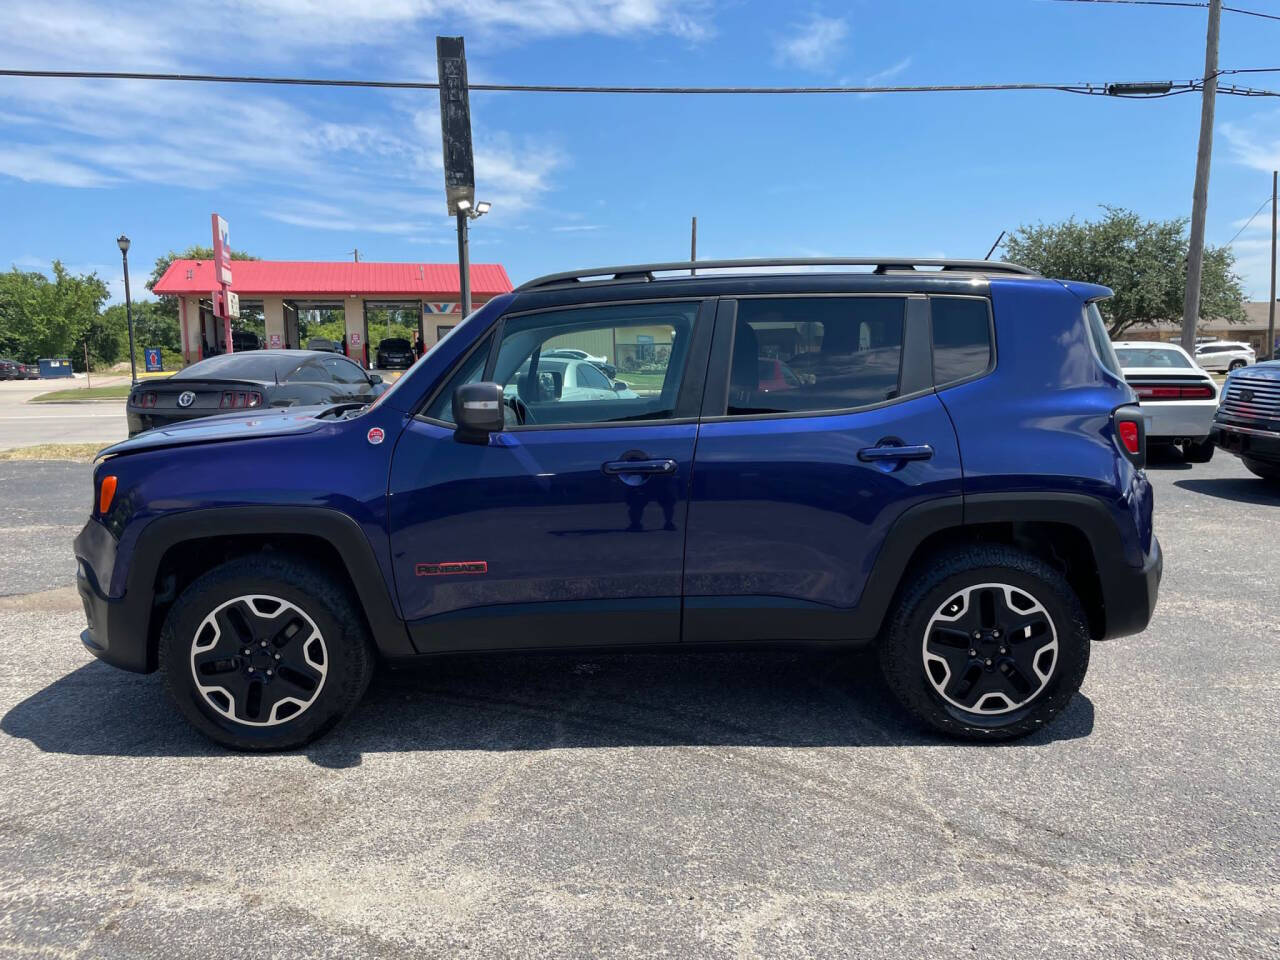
467 211
123 243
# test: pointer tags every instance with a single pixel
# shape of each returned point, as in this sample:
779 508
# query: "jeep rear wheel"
987 643
265 653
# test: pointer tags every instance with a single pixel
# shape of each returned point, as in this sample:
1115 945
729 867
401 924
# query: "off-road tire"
347 651
941 577
1198 451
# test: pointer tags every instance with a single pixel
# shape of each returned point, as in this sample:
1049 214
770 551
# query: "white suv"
1224 355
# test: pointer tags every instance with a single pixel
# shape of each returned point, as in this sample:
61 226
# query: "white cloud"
814 43
889 72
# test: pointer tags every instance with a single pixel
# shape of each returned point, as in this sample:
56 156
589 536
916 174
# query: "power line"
1249 221
1096 89
1176 3
1114 90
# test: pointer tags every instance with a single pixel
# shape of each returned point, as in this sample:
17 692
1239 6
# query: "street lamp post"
123 243
467 212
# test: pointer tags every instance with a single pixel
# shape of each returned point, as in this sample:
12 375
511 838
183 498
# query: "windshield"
1152 357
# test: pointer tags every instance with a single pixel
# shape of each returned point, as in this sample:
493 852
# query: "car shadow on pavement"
1238 489
1162 456
533 702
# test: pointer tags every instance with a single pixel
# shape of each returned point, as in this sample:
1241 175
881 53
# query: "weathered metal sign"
455 122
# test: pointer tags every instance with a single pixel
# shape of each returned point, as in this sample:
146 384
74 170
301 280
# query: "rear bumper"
117 631
1181 420
1252 442
1130 594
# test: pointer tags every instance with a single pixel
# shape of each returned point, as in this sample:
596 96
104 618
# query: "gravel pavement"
699 805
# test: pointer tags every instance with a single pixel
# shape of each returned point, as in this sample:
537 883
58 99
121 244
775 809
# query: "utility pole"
464 264
1200 195
1271 306
356 254
693 246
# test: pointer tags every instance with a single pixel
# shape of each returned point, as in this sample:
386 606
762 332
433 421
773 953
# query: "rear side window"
1101 341
961 338
795 355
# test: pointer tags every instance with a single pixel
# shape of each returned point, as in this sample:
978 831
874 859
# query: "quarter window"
961 338
793 355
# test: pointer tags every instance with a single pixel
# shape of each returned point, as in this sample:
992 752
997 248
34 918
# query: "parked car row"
17 370
1183 406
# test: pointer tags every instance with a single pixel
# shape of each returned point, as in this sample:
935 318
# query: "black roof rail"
881 265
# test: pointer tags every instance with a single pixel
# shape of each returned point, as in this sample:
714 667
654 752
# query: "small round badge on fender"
376 435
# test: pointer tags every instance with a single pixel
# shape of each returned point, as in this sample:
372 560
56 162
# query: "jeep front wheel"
265 653
987 643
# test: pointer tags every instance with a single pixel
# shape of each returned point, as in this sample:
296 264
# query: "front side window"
546 382
344 371
962 345
794 355
469 371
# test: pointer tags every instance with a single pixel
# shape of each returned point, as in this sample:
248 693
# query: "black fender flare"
338 529
1128 590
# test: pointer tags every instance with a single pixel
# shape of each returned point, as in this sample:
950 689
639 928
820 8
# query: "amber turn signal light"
106 493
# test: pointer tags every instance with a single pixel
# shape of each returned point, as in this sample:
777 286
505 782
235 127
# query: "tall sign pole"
1200 195
222 273
1271 306
455 137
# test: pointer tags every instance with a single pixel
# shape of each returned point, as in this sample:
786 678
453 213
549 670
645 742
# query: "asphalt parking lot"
769 804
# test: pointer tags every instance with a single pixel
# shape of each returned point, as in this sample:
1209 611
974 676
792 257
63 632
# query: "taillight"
1151 392
1128 431
144 399
240 399
1131 433
106 493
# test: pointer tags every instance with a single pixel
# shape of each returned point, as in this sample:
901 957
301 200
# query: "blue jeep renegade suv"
945 463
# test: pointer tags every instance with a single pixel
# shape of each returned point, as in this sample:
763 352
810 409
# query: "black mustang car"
243 381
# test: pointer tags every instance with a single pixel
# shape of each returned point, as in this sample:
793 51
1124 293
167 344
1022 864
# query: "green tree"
43 317
1143 261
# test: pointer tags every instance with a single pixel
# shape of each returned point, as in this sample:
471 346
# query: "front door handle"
614 468
895 451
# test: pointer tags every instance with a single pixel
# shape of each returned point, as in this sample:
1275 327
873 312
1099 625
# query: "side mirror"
477 410
620 385
375 378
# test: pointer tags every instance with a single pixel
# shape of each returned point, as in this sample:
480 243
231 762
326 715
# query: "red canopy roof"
250 278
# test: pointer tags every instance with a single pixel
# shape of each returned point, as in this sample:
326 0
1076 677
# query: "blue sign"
155 363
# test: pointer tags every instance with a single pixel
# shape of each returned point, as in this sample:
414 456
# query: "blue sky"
584 180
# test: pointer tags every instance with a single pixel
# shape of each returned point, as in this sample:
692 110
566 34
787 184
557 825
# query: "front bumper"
117 632
1251 442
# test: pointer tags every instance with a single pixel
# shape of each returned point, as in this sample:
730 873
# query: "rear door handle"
615 468
895 451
